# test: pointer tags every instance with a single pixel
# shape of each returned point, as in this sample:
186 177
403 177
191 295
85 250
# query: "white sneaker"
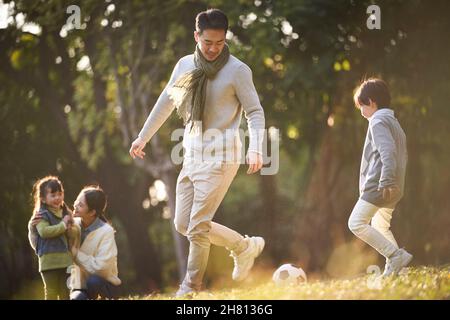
244 262
400 259
185 291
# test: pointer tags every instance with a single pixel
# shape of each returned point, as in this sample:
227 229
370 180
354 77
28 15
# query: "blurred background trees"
73 100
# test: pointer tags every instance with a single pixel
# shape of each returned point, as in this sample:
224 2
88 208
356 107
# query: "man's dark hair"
375 90
211 19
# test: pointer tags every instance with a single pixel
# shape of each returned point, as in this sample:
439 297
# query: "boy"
382 175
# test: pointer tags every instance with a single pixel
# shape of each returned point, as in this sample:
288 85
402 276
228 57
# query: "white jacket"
96 256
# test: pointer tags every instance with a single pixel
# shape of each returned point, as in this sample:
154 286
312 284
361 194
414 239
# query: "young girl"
51 243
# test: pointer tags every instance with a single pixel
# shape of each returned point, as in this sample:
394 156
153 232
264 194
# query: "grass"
413 283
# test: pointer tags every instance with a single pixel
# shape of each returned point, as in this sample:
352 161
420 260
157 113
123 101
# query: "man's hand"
37 217
136 148
390 193
255 162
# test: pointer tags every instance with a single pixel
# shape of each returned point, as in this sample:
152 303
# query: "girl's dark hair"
211 19
42 187
374 89
96 200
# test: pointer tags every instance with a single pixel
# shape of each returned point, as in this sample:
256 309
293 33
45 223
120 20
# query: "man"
209 89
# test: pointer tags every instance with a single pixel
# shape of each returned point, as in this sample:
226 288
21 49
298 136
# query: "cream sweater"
227 95
97 255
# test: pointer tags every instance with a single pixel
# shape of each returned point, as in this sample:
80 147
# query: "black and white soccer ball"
288 274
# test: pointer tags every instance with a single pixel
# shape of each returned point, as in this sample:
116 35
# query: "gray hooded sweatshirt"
384 159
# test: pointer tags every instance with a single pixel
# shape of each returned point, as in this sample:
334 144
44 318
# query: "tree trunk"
126 204
268 224
324 203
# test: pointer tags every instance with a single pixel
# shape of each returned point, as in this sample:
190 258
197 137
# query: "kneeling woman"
95 273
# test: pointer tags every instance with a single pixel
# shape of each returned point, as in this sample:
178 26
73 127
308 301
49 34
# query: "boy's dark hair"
211 19
375 90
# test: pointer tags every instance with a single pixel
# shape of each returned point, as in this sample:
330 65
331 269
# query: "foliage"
306 56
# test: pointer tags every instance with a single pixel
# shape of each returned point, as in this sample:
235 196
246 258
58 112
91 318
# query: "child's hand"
37 217
68 220
390 193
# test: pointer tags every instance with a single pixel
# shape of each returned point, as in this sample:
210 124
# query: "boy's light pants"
201 187
378 234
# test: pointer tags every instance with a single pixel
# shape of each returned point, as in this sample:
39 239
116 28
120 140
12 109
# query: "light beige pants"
201 187
378 233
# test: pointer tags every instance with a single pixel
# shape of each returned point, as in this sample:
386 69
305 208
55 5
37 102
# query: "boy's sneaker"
396 262
185 291
244 261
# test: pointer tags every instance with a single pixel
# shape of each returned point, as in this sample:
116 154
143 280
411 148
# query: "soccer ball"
288 274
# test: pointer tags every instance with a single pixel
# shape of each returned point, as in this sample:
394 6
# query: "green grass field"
412 283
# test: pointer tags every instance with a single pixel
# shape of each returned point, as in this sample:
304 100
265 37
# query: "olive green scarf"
189 90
